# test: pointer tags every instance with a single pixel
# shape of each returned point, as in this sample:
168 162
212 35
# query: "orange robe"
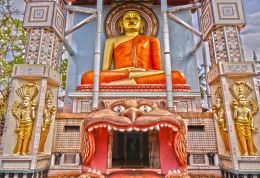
140 52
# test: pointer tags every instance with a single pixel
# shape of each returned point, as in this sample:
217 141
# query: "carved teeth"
90 129
144 130
178 171
174 171
174 129
161 125
136 129
94 171
115 129
129 129
151 128
121 130
98 172
109 128
157 127
169 172
104 126
96 126
89 169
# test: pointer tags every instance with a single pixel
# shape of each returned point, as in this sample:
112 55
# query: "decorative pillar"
235 98
167 55
27 139
97 55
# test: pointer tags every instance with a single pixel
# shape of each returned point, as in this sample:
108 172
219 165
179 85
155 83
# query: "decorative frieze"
230 69
27 71
247 68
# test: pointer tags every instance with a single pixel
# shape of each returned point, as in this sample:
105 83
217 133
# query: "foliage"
63 72
13 39
202 81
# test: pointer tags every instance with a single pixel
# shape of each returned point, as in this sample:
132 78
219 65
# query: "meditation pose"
243 122
136 58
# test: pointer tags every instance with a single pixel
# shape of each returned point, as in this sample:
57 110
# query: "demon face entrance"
131 150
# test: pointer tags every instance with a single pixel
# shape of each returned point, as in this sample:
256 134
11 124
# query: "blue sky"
250 34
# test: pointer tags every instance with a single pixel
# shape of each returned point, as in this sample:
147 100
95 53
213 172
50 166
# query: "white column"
77 159
62 159
191 159
97 55
167 55
206 159
216 160
52 159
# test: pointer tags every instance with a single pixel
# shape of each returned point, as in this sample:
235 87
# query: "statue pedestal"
45 78
135 88
25 165
228 80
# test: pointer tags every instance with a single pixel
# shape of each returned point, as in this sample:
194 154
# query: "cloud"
250 35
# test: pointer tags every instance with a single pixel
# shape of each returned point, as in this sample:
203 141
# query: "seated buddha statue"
136 58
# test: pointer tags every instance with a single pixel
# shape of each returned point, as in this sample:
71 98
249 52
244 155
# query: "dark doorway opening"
130 150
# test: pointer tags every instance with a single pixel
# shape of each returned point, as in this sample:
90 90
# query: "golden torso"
47 116
242 115
221 118
26 116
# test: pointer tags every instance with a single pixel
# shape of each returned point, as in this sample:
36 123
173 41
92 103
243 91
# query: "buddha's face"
132 21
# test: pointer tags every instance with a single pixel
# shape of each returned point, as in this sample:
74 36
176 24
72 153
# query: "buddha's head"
131 22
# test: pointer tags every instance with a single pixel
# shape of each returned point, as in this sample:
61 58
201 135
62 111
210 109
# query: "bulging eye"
146 108
119 108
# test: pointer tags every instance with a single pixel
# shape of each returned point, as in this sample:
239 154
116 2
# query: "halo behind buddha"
149 18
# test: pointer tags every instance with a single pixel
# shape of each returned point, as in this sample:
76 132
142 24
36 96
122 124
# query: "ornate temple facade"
133 105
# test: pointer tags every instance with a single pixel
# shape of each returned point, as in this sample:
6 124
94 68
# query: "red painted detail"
91 141
99 161
135 174
167 158
156 2
134 88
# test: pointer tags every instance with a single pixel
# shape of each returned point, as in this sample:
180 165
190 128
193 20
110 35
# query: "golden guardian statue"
243 117
219 115
48 117
24 112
